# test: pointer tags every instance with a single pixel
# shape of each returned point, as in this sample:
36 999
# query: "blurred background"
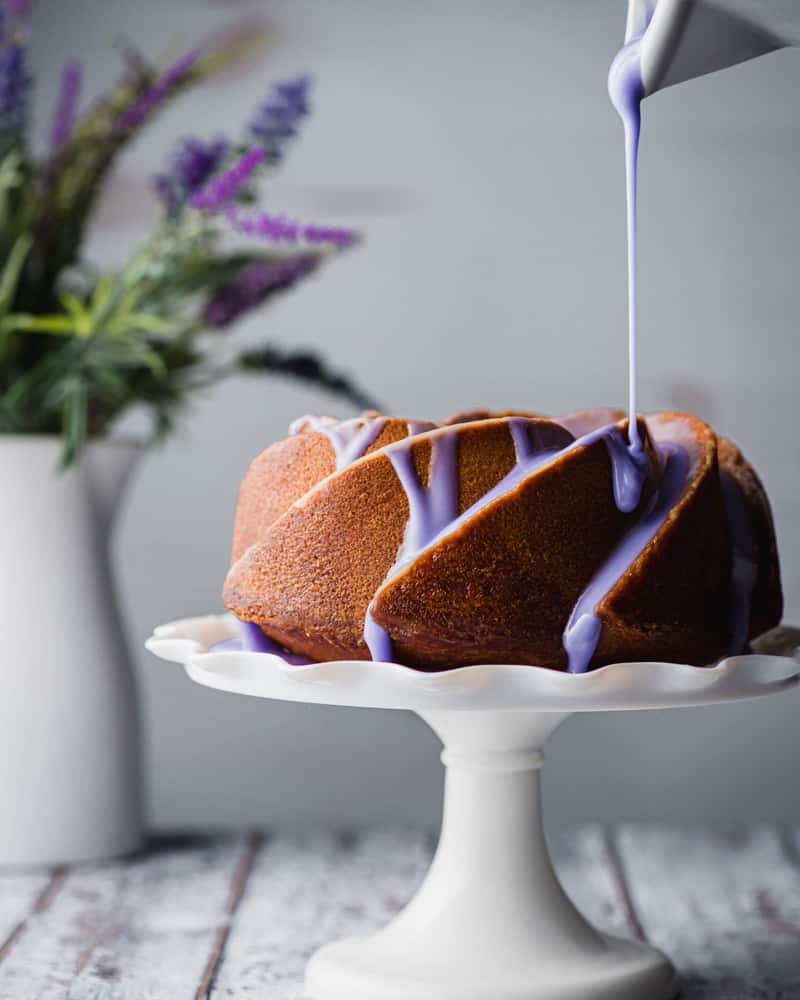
475 147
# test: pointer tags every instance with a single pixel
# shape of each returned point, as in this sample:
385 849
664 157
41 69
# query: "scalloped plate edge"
617 686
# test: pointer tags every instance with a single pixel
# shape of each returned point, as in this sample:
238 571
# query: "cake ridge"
441 490
630 469
744 570
584 627
429 434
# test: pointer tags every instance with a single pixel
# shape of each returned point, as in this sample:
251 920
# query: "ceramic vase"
69 727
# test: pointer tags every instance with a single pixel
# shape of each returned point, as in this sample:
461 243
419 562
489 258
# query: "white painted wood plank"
588 872
19 894
727 911
137 930
306 892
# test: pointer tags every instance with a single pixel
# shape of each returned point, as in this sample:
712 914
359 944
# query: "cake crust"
287 470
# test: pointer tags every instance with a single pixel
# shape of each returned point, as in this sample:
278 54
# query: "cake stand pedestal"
491 919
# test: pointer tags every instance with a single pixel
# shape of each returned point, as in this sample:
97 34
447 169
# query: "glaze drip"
433 513
430 508
629 465
582 634
349 438
252 640
417 427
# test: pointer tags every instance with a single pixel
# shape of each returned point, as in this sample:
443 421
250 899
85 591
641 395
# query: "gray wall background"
474 145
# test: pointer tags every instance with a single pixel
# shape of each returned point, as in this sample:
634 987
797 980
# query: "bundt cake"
504 538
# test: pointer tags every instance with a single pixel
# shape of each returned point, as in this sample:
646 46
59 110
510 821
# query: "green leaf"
76 417
11 177
139 323
101 297
76 309
63 325
9 280
152 359
101 292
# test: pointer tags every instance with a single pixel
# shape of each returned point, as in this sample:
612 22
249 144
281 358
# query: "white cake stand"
491 921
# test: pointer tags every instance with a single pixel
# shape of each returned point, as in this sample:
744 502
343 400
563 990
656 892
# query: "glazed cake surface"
505 538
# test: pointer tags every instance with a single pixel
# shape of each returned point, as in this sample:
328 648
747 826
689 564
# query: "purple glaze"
379 642
582 633
430 509
433 512
418 427
626 91
253 640
744 560
629 465
349 438
628 473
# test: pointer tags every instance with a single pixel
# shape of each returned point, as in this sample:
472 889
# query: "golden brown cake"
505 538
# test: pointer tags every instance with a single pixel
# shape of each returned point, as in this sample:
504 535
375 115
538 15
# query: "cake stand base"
363 969
491 919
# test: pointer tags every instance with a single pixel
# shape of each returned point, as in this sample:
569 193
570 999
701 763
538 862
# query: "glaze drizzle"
626 91
582 634
433 514
349 438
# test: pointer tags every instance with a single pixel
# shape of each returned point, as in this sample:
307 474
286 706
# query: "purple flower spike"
15 85
133 116
198 160
18 8
192 165
254 284
279 229
64 118
278 119
276 228
222 189
329 234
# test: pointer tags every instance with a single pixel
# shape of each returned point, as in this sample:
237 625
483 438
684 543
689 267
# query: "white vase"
69 729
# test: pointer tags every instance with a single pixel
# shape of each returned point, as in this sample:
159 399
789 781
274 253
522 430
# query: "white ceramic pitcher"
689 38
69 735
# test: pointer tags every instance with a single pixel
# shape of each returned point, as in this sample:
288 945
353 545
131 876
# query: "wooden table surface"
238 916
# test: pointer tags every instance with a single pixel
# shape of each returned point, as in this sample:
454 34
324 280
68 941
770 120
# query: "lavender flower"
329 234
219 192
279 229
15 86
277 120
193 163
254 284
64 117
133 116
18 8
